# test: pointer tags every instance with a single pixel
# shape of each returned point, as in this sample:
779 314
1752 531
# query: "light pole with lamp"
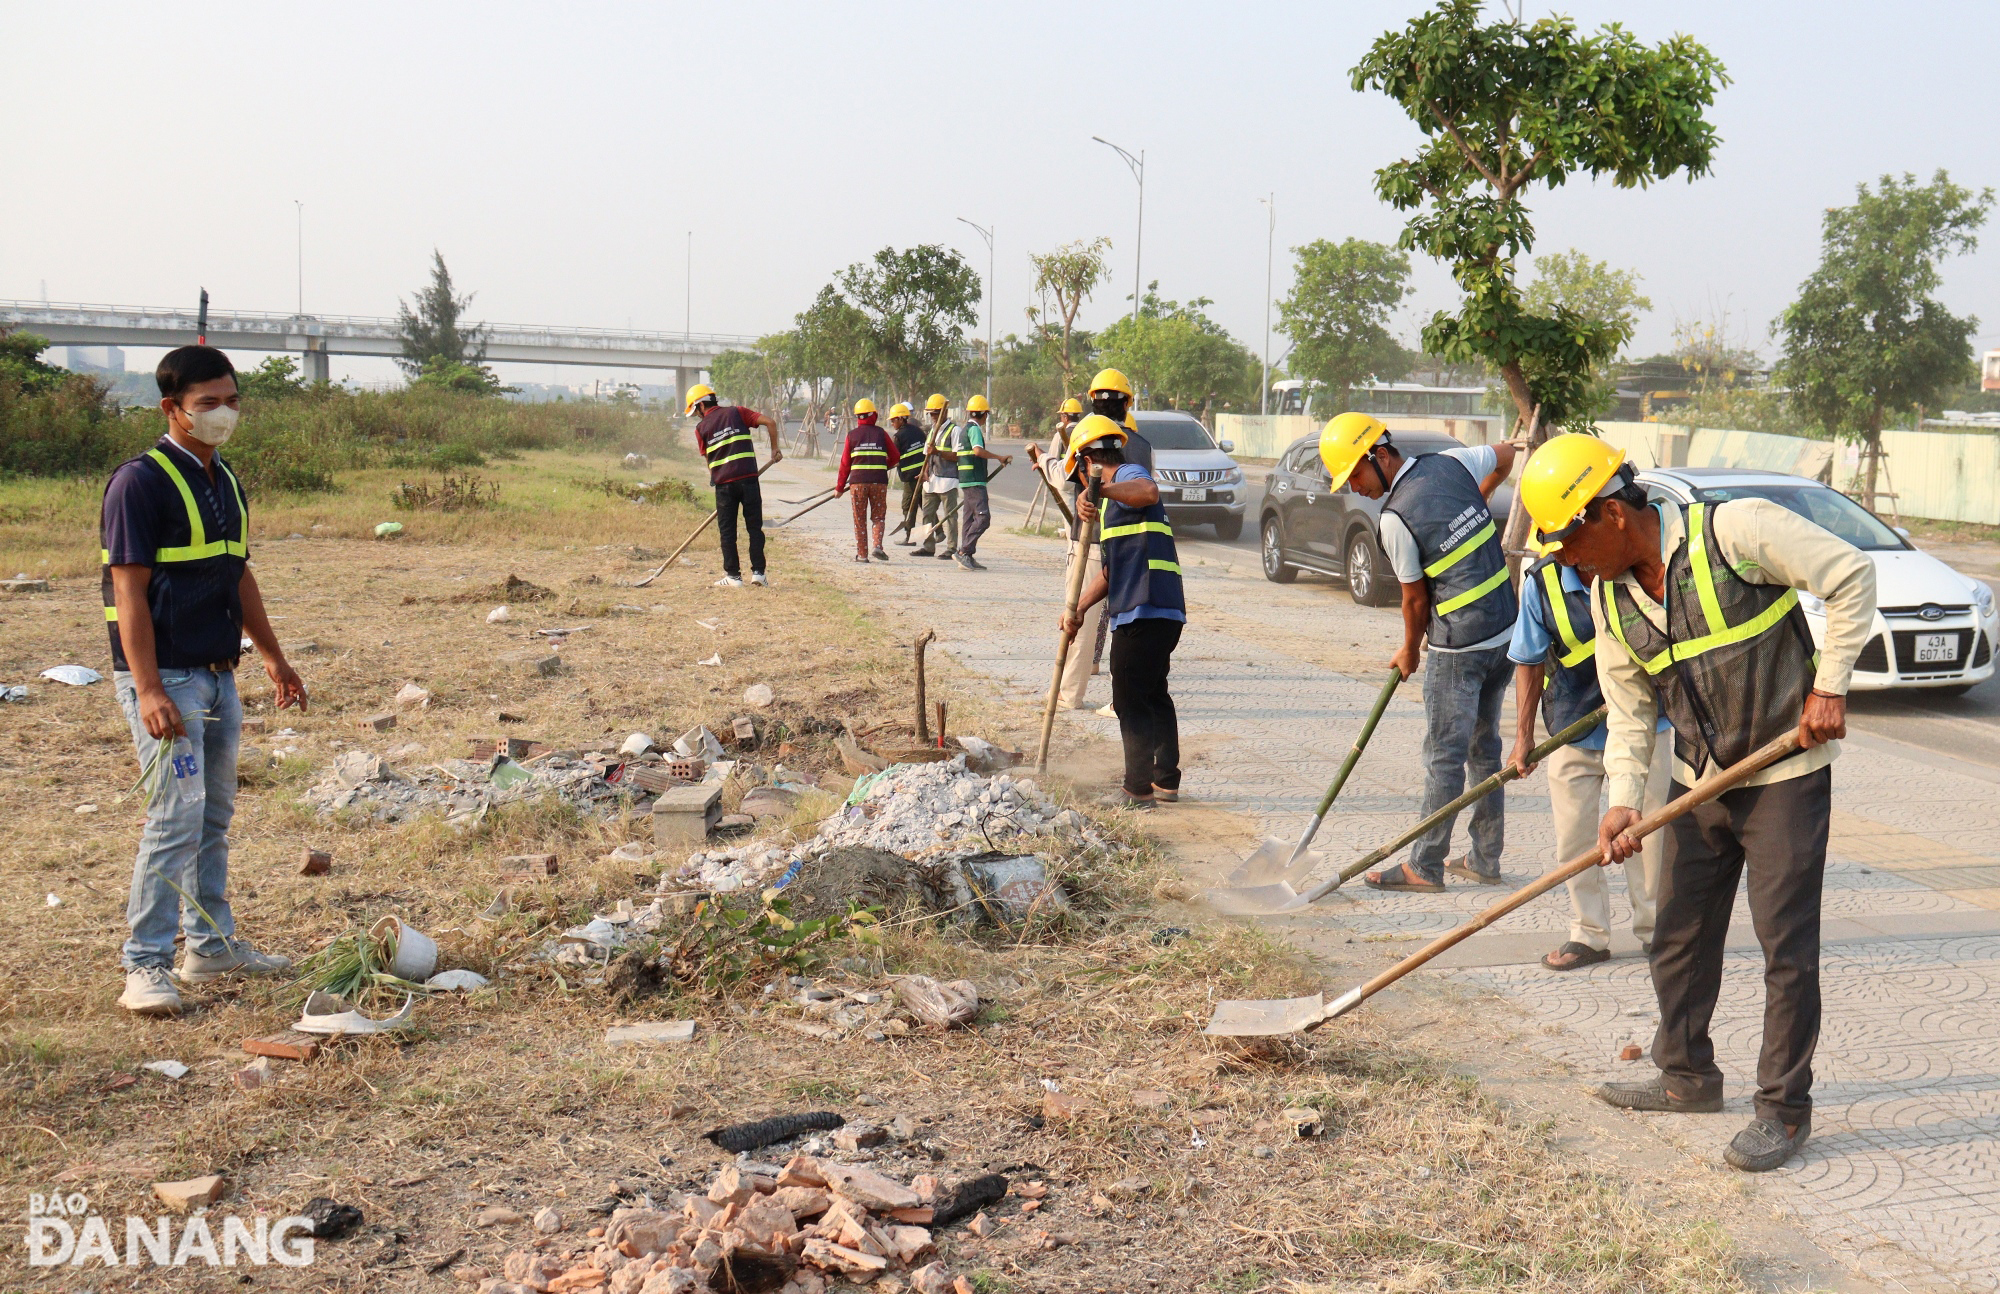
302 253
1270 246
1137 165
986 232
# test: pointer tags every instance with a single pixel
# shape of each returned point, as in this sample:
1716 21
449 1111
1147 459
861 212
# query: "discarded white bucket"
416 954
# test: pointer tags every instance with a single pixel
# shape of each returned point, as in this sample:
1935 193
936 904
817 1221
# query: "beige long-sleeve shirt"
1765 543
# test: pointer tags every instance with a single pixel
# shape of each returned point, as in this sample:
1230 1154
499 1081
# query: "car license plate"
1936 647
1193 496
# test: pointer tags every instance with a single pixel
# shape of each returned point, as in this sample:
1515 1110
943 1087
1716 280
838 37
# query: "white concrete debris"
458 789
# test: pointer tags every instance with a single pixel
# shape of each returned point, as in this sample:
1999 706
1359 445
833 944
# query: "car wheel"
1275 569
1229 531
1368 581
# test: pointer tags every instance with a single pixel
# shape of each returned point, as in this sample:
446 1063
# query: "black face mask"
1111 406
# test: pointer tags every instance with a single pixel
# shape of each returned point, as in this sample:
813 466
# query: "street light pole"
1137 165
1270 244
687 320
302 253
986 232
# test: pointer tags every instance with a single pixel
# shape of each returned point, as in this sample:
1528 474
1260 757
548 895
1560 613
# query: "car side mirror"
1228 446
1903 531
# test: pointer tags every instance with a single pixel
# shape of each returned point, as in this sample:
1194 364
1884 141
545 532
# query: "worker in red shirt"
864 465
723 437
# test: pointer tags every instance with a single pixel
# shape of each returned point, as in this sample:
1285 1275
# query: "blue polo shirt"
1534 636
148 519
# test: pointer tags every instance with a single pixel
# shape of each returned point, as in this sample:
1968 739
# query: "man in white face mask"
179 598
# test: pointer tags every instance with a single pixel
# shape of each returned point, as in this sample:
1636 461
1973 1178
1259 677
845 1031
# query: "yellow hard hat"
863 405
697 393
899 410
937 402
1071 405
977 404
1110 379
1561 479
1344 441
1088 432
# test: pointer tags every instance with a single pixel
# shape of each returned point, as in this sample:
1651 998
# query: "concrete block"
684 815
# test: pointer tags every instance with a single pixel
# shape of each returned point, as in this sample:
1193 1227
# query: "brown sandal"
1578 955
1401 878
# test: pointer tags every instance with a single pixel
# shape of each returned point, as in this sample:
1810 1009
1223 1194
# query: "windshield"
1175 433
1826 508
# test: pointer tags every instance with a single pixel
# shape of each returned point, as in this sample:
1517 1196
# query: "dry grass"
508 1096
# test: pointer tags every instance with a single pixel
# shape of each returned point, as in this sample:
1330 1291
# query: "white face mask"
213 426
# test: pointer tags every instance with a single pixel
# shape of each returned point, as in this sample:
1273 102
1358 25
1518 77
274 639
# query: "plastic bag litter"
457 981
169 1068
15 695
1019 885
385 529
74 675
943 1005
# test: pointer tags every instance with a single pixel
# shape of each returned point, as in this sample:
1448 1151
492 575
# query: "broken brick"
196 1191
979 1226
537 864
825 1253
801 1170
315 862
729 1187
378 722
868 1188
284 1046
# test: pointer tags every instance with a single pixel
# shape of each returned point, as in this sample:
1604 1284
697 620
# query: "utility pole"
302 254
986 232
687 320
1270 244
1137 165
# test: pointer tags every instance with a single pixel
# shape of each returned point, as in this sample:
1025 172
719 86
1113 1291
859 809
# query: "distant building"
1989 371
95 359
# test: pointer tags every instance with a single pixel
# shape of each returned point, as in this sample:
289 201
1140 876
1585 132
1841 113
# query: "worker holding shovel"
1554 651
1698 617
1140 583
1444 546
864 468
940 481
909 442
723 437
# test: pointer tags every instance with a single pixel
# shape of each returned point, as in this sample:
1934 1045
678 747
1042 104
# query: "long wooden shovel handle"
1381 706
1729 778
1473 796
779 525
1079 562
676 555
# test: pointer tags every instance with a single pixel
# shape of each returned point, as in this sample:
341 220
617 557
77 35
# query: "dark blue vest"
1569 689
1471 600
1141 566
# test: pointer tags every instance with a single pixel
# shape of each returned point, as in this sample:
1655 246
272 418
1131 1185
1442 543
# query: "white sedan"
1934 628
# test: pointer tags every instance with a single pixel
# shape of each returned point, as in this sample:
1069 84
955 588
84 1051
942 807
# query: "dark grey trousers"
1776 836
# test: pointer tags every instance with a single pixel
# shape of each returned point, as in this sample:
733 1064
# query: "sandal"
1400 877
1573 955
1463 867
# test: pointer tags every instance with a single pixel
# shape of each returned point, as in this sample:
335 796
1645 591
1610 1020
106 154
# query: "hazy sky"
559 154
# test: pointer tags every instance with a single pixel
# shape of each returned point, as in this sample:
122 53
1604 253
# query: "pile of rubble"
461 790
758 1226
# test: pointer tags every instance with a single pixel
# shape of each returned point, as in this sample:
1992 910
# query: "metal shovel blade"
1254 900
1266 1018
1267 863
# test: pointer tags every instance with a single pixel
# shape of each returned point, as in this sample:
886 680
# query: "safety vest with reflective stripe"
1569 689
189 565
726 443
1471 598
912 456
1735 663
971 467
867 451
1141 565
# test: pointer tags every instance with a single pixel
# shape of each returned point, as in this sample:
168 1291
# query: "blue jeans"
1463 692
186 837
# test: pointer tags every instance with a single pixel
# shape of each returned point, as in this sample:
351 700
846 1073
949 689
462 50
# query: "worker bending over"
1141 585
1554 650
940 482
975 509
908 439
723 437
1441 541
864 467
1698 617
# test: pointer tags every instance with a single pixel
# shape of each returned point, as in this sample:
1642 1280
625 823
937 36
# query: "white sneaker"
150 991
758 578
238 959
1107 711
728 582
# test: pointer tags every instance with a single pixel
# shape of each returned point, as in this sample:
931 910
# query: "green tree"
1866 338
918 304
1503 107
22 366
437 345
277 378
1070 274
1178 357
1337 314
1596 292
830 354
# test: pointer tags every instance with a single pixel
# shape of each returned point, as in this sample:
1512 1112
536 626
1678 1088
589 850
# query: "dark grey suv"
1305 527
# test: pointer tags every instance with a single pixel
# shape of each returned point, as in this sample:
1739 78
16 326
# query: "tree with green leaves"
1867 337
22 365
918 304
830 355
277 378
439 348
1337 314
1508 105
1603 296
1178 357
1070 274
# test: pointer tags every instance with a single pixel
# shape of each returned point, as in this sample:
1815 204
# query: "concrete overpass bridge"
317 337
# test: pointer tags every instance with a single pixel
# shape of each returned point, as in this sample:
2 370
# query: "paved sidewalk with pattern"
1902 1175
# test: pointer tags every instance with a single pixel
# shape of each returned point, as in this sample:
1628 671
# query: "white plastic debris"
631 851
16 694
636 744
53 900
74 675
326 1014
713 660
86 808
499 615
412 696
170 1068
759 695
630 1035
457 981
711 627
698 741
